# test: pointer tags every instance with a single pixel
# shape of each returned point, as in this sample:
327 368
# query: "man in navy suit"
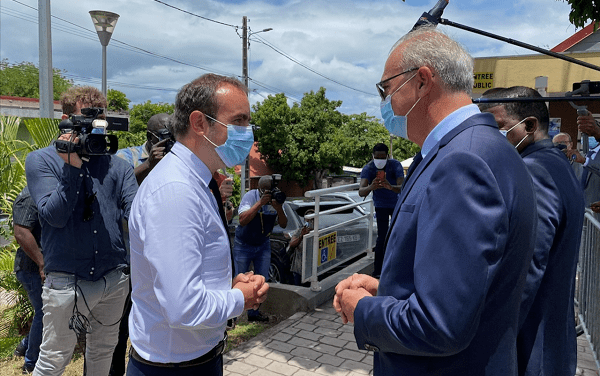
547 342
462 233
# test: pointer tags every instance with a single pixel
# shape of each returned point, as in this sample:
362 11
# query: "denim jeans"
383 216
259 255
32 282
101 302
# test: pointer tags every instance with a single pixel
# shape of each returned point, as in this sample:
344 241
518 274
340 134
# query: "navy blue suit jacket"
457 254
547 343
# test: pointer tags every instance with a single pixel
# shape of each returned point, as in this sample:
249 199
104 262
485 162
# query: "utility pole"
245 167
45 69
245 47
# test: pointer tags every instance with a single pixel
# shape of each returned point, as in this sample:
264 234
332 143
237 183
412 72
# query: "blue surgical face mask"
396 125
504 132
238 145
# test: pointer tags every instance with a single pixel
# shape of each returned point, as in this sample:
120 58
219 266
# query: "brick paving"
317 343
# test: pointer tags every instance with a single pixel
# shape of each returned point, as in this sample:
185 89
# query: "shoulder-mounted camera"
91 131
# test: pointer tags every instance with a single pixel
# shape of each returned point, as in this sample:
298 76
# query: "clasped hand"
349 291
253 287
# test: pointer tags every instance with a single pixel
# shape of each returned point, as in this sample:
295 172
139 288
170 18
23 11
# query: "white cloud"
345 40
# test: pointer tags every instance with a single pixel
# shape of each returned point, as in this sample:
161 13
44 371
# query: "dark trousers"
117 367
32 282
383 216
213 367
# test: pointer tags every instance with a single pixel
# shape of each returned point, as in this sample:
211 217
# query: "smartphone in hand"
381 175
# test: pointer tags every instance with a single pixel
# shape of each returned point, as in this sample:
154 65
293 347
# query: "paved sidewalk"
317 343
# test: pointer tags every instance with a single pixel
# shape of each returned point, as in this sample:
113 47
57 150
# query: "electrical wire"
126 46
195 15
287 56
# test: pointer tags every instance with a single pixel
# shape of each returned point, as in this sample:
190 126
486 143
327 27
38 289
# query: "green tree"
22 80
360 134
584 11
403 149
141 113
117 101
304 141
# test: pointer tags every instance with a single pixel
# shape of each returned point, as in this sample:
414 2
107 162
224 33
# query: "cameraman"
143 158
81 202
259 213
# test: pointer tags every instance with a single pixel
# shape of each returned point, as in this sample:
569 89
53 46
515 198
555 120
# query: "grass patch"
8 346
244 331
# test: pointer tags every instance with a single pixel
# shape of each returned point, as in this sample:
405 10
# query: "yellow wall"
522 70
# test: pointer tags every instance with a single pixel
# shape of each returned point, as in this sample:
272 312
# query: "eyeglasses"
379 85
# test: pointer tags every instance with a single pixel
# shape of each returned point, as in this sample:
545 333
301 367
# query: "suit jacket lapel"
479 119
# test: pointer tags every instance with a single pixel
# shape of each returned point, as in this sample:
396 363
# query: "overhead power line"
91 35
196 15
279 51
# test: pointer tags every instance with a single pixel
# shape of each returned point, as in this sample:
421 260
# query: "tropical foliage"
13 153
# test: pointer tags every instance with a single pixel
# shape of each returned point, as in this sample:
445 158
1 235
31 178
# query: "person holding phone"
382 176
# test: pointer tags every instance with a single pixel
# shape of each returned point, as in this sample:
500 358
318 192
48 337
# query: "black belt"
213 353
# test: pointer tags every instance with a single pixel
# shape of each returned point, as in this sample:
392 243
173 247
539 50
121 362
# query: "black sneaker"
20 350
27 370
258 318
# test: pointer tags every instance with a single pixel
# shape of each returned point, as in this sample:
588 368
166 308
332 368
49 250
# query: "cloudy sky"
158 46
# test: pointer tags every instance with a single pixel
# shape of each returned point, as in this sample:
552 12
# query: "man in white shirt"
182 288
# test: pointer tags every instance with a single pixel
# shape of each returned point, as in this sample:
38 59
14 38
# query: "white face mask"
380 163
505 133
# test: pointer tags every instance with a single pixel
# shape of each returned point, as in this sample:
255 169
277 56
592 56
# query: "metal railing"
588 282
310 256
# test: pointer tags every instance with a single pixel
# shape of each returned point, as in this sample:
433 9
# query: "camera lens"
95 144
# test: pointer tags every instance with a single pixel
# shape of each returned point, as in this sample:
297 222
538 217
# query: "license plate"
348 238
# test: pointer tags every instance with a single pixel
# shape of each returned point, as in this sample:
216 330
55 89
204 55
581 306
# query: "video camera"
91 131
276 193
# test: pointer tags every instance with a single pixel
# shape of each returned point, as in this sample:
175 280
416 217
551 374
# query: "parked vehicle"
352 197
352 239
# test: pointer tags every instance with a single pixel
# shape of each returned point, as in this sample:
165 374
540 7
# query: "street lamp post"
245 47
105 23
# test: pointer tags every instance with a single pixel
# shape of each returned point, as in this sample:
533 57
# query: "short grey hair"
427 46
199 95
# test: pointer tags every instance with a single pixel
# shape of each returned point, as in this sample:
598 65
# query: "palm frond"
43 131
9 125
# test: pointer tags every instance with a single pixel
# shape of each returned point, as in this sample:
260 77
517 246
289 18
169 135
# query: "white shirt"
180 263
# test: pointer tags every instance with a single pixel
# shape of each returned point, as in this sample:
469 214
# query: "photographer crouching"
259 210
81 192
